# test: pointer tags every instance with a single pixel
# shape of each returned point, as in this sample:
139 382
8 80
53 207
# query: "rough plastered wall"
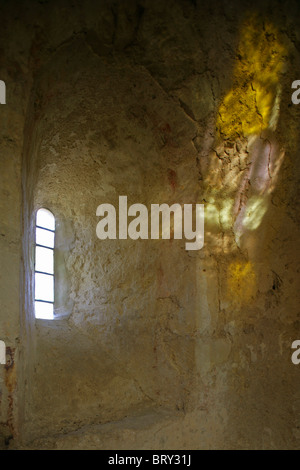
155 346
12 121
124 340
13 71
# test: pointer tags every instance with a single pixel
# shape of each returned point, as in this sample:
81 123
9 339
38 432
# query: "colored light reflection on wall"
241 279
248 107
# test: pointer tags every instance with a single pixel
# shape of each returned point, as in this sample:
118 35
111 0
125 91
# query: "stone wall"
164 102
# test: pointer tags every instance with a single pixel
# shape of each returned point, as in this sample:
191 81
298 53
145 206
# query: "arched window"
44 264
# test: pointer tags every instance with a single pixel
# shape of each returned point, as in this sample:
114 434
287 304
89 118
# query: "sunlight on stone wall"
245 160
242 168
241 281
247 108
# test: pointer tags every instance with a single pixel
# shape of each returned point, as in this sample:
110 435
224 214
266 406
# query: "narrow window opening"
44 265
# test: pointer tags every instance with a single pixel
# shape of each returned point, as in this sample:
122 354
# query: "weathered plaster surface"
155 346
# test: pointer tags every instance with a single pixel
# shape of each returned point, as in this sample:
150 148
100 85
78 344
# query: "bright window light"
44 287
44 237
44 310
44 259
44 264
45 219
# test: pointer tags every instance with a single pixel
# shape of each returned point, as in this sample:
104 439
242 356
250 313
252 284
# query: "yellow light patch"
247 107
255 211
241 282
